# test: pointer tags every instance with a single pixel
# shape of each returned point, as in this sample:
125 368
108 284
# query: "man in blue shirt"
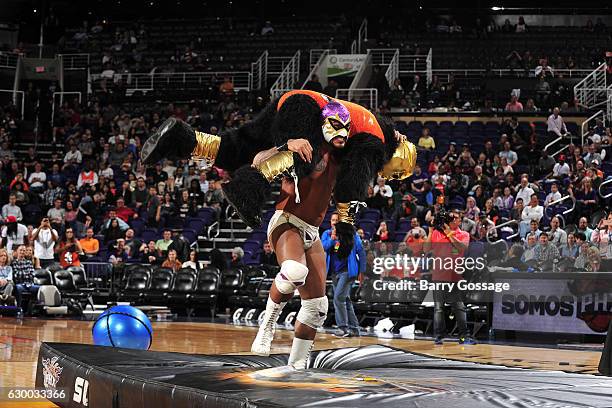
343 271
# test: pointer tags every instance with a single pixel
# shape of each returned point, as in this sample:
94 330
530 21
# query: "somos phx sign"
548 305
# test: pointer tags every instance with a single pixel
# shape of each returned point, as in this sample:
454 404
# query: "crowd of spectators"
513 178
82 203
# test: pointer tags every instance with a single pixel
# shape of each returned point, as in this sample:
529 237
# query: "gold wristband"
207 147
280 164
402 162
344 213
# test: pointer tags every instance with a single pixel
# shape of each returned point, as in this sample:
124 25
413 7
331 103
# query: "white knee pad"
292 274
313 312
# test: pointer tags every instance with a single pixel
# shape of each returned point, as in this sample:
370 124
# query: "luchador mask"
336 121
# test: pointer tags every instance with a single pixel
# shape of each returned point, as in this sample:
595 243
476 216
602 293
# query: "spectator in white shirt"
106 171
534 211
561 169
12 208
544 69
13 234
87 176
203 182
524 191
37 179
554 195
593 155
557 235
382 189
73 156
556 126
508 154
44 238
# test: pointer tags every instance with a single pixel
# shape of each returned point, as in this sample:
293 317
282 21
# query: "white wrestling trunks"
310 233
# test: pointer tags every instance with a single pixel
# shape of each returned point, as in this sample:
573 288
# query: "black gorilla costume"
297 115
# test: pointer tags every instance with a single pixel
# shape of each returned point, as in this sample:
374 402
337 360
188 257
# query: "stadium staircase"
230 232
594 92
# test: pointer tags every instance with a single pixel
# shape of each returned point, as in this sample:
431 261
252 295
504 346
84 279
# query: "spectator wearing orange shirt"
89 244
171 262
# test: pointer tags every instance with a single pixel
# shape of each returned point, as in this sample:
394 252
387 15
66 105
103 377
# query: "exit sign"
40 70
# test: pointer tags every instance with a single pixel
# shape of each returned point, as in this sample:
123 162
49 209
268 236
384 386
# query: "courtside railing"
179 80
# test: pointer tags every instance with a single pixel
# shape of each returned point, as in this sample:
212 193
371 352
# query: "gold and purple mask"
336 121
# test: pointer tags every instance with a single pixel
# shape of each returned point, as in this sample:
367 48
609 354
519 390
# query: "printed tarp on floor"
349 377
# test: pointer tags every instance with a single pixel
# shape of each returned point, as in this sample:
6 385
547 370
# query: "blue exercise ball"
123 326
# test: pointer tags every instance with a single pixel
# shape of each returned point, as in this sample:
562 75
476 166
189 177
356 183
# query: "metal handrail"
586 122
495 228
429 67
276 65
147 81
349 95
259 71
608 181
9 59
362 33
314 56
503 241
316 67
569 210
498 72
74 61
229 212
211 227
609 105
15 98
61 101
286 81
595 81
552 143
560 150
393 70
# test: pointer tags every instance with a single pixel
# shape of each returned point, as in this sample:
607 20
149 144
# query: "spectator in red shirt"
19 180
444 244
124 212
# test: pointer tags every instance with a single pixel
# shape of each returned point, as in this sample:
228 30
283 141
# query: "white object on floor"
407 332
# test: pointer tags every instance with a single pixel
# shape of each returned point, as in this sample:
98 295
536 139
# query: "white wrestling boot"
300 353
263 341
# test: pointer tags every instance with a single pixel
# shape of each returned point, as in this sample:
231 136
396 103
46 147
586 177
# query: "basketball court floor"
20 342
